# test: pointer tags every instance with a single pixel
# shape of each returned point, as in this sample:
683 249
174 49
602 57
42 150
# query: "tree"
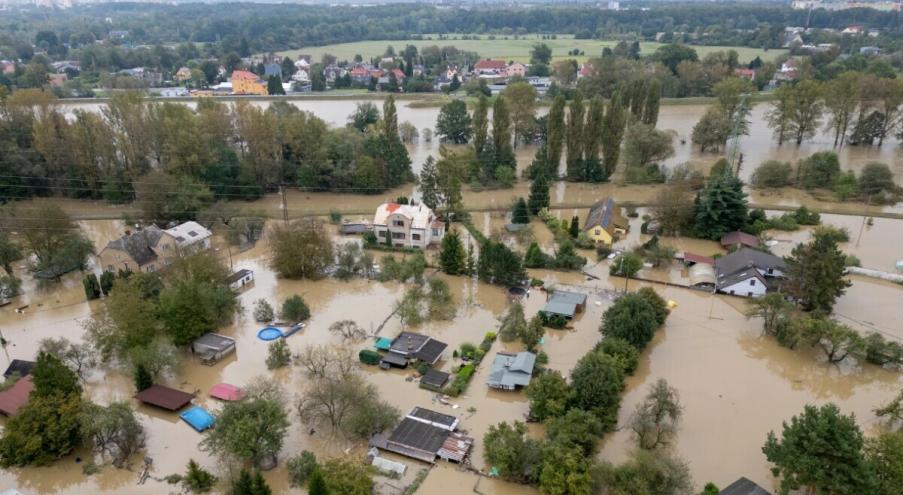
347 477
576 428
112 431
51 377
841 101
80 358
555 135
164 197
574 228
501 139
647 471
429 183
480 125
513 323
263 311
876 178
9 253
574 138
771 174
346 404
365 115
712 131
803 110
251 430
885 455
454 123
654 422
278 354
317 485
274 86
673 209
508 449
652 102
564 471
613 125
49 234
521 100
539 194
549 395
773 308
452 256
820 170
301 249
821 451
540 54
44 430
815 274
248 484
302 468
730 93
836 340
673 54
198 479
631 318
646 145
500 265
520 214
721 207
625 265
597 381
294 309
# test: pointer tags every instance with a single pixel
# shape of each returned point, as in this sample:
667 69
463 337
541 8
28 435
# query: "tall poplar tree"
555 133
652 102
592 139
613 125
480 125
574 138
501 135
393 151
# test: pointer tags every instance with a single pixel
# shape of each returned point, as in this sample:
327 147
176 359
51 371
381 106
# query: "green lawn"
509 49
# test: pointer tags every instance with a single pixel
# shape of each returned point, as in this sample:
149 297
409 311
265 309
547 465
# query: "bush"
772 173
819 170
279 354
294 309
335 217
462 379
301 467
622 350
92 286
876 178
263 311
851 260
369 357
369 239
553 321
198 479
838 234
803 216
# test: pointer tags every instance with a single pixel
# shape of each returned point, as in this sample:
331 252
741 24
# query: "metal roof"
702 274
214 341
164 397
560 308
434 378
564 296
744 486
441 420
235 277
511 370
419 435
20 366
737 237
744 258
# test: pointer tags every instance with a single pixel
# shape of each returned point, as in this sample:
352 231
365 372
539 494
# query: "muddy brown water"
727 373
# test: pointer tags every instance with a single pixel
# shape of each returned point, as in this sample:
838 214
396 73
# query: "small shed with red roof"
164 397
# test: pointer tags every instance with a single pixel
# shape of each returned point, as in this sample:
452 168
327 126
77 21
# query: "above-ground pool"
269 333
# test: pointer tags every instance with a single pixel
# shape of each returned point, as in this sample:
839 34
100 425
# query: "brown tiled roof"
164 397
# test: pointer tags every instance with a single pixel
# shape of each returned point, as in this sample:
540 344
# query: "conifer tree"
815 274
721 207
501 135
539 194
520 213
452 257
480 125
574 138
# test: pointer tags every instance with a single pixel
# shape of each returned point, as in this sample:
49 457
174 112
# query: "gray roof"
419 435
568 297
434 378
433 416
431 351
139 245
418 346
744 258
235 277
732 278
744 486
601 214
214 341
560 308
511 370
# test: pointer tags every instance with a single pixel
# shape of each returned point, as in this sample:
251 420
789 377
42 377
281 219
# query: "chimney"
128 232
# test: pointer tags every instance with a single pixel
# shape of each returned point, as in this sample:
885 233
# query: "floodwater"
727 373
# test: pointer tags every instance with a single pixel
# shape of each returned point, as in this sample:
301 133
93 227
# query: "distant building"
270 70
510 371
407 225
489 67
605 223
7 66
516 69
869 51
748 272
176 92
564 304
749 74
57 80
146 250
240 279
248 83
151 78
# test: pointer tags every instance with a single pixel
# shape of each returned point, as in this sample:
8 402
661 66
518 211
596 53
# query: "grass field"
510 49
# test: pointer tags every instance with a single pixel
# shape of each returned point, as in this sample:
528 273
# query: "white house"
191 234
407 225
747 272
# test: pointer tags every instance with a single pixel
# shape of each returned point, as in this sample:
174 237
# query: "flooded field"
735 383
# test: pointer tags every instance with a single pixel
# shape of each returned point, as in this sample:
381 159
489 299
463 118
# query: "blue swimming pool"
269 333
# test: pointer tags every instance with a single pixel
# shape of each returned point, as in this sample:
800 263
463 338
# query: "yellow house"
605 223
248 83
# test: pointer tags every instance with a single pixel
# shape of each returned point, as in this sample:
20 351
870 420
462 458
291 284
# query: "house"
744 486
407 225
183 74
227 392
248 83
211 347
434 379
691 259
57 80
7 66
426 435
302 63
869 51
510 371
516 69
749 74
146 250
738 239
270 70
20 367
564 303
360 74
855 29
151 78
605 223
176 92
15 397
489 67
333 72
240 279
164 397
410 345
747 272
191 235
301 76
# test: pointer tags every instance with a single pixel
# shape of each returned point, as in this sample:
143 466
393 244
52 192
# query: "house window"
397 235
383 233
398 223
109 268
415 237
770 271
598 231
749 294
435 232
752 283
150 268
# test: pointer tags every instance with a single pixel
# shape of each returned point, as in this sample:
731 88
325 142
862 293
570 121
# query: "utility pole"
865 216
284 205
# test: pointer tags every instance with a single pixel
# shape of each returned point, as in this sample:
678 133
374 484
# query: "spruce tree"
555 133
721 207
574 138
574 231
539 194
520 213
480 125
429 183
452 257
317 485
613 125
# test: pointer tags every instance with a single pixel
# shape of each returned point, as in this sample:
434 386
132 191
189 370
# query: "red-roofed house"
399 74
360 74
407 225
13 398
746 73
248 83
489 67
516 69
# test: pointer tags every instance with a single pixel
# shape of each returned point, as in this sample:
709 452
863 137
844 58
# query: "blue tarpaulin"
198 418
383 343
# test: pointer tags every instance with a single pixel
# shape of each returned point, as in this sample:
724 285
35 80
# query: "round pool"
269 333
